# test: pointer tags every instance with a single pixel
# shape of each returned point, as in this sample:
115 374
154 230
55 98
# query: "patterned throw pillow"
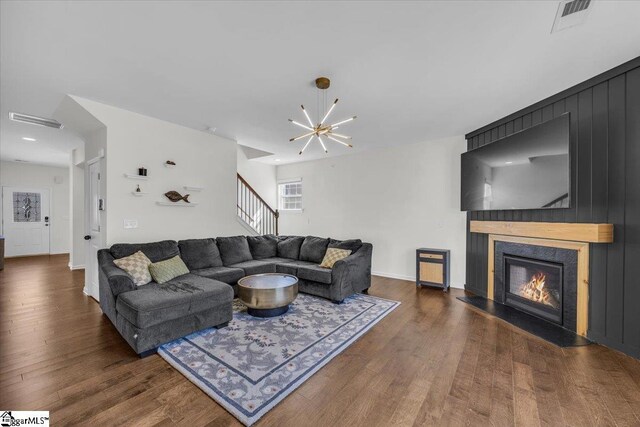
168 269
137 266
334 255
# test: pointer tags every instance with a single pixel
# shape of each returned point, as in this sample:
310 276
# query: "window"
488 196
290 196
26 207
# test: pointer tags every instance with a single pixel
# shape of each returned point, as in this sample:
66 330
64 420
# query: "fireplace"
538 280
534 286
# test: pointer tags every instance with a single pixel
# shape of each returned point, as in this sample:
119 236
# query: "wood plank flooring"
433 361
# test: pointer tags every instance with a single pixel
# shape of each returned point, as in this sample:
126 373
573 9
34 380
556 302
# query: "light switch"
130 223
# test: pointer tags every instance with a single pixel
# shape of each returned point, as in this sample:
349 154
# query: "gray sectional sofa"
153 314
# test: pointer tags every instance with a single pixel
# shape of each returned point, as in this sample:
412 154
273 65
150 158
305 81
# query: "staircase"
560 202
254 211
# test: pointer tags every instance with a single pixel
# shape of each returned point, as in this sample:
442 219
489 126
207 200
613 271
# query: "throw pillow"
334 255
168 269
137 266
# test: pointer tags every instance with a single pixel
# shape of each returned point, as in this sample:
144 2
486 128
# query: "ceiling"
411 71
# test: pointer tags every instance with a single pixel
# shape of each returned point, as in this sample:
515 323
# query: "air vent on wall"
571 13
575 6
34 120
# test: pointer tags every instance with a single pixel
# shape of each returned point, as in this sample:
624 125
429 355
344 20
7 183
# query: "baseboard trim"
84 291
27 256
404 277
394 276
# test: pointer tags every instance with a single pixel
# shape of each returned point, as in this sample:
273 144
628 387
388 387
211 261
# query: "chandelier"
321 129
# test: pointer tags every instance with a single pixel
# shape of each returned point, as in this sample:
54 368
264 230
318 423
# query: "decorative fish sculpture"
174 196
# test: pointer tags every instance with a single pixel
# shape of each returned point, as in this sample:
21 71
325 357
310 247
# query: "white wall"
261 176
134 140
399 199
30 175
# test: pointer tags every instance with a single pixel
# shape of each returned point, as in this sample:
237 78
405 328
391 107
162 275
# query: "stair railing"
254 211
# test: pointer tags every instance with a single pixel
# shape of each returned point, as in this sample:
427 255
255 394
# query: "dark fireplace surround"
538 280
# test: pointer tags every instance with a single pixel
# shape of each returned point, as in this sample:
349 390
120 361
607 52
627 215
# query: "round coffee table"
268 294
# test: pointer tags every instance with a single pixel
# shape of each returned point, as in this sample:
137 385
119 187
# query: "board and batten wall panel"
605 164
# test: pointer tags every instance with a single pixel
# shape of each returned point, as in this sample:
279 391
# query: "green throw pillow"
166 270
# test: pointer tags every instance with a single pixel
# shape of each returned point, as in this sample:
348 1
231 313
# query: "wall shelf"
192 188
139 193
133 176
177 204
167 165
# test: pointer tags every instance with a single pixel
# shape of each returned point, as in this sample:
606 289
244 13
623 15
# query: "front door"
26 220
94 204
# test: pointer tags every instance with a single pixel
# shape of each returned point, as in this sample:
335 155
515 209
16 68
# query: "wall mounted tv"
527 170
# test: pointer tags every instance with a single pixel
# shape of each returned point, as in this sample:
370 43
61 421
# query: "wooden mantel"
577 232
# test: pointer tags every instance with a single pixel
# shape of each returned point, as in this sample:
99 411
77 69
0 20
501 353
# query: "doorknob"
87 237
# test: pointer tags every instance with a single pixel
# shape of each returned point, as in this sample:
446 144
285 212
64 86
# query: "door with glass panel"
25 221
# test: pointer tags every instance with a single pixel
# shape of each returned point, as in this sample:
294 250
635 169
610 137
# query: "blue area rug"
252 364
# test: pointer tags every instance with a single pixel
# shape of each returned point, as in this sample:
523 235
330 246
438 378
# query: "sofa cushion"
351 245
313 249
200 253
136 266
263 246
334 255
291 266
156 303
163 271
289 246
278 260
315 273
156 251
256 267
234 249
224 274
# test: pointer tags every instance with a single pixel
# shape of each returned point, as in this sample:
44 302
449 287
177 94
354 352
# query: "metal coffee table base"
267 312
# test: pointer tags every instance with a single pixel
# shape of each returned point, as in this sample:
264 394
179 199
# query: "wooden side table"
433 268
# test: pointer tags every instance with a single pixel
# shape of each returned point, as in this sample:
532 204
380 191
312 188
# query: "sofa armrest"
352 274
117 279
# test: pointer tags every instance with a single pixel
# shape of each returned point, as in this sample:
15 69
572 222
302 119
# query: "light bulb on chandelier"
322 129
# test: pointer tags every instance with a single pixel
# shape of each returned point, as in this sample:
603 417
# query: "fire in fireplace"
534 286
537 291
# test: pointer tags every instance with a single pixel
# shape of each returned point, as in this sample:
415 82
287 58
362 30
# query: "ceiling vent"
34 120
571 13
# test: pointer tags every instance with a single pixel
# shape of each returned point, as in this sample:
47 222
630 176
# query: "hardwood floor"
433 361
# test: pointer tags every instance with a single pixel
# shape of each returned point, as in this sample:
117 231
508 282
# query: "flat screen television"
527 170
